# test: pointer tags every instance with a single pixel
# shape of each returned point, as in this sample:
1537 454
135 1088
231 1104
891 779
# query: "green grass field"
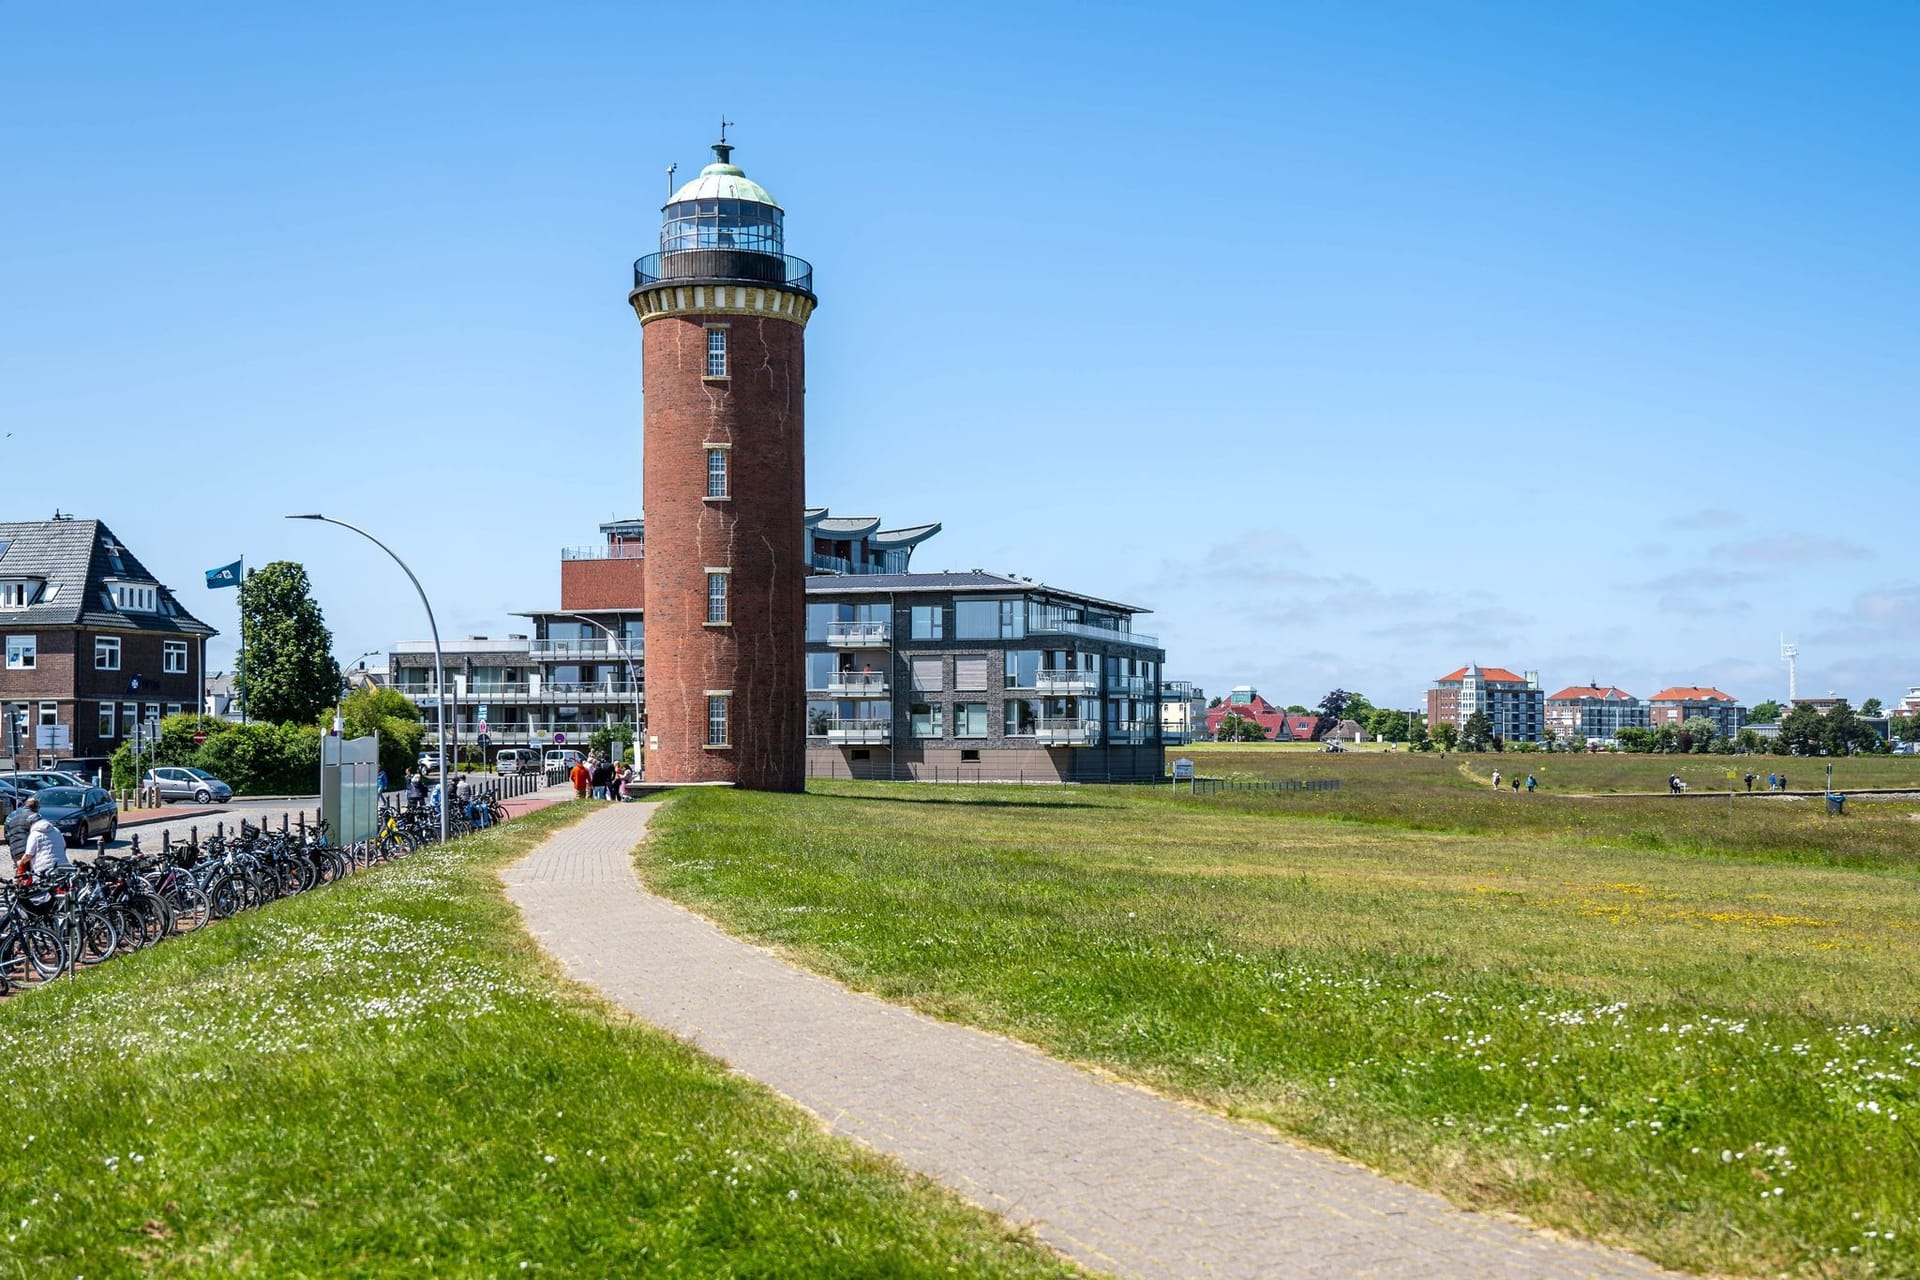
1589 1012
383 1078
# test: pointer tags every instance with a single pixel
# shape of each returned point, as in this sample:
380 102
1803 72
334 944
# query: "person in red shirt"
581 777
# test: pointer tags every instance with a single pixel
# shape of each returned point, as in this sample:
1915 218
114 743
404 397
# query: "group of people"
1775 781
1531 782
600 779
36 844
419 793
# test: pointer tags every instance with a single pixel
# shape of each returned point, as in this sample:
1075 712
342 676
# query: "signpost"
1183 772
559 739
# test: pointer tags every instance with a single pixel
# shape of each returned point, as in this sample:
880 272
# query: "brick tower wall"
756 533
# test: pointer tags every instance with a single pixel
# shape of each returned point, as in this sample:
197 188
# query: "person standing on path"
1531 784
1749 784
581 777
1496 779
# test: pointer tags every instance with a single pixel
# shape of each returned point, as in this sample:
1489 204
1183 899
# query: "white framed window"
716 353
717 595
49 713
23 653
173 657
106 653
970 674
129 718
717 473
927 719
718 707
173 708
16 595
928 675
131 597
106 720
153 711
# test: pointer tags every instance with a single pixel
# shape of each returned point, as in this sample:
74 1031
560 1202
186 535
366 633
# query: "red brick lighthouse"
723 310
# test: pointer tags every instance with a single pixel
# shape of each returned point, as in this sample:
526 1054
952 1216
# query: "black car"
81 813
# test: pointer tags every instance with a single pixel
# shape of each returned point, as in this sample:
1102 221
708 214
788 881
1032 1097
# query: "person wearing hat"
46 847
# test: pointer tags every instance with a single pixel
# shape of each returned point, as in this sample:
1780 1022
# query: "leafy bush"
254 759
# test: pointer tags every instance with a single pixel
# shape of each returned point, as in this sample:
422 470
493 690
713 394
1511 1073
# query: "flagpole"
239 663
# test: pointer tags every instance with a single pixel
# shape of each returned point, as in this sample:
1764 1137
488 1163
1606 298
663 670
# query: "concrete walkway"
1115 1177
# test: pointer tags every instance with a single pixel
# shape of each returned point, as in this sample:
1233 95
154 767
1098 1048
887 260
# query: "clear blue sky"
1356 341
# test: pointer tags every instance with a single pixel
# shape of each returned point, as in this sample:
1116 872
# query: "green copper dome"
724 180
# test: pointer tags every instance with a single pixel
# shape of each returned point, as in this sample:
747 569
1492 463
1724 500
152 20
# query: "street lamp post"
625 650
439 666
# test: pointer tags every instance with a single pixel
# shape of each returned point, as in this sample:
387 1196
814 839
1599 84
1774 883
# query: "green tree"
1549 738
1447 734
1216 702
1295 709
1634 738
388 714
1477 733
1750 741
1801 731
1418 738
287 671
1767 712
1235 727
602 740
1700 731
1905 728
1871 707
1843 733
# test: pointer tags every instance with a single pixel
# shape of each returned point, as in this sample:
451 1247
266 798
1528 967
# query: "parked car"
562 758
430 762
512 760
177 782
81 813
37 778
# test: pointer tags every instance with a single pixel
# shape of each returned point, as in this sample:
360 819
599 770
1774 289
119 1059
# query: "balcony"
1066 683
1087 631
599 647
855 731
857 684
1129 686
745 266
605 551
1066 733
859 635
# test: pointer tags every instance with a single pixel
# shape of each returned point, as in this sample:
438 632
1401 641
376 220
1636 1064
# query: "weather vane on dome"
725 124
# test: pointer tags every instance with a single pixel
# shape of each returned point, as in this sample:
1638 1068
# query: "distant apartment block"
1682 703
1909 705
1514 704
1594 712
1183 712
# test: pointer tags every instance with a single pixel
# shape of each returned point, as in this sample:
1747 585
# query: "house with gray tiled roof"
95 642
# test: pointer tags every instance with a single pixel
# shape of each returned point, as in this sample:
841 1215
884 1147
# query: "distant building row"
1520 711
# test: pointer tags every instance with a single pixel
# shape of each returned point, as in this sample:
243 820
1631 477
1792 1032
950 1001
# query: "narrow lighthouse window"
716 597
716 353
716 473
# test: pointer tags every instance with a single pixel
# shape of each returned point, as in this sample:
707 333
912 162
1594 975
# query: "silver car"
177 782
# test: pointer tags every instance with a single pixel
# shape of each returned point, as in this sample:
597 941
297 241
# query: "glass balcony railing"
747 266
857 684
1066 733
1066 683
859 635
1091 632
855 731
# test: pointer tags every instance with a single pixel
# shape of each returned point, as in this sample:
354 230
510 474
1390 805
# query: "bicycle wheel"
31 951
226 895
190 907
96 935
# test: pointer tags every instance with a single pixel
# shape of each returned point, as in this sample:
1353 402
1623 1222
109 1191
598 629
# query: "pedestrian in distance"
380 782
1673 784
1749 784
46 847
1771 786
581 777
1531 784
603 780
416 788
1496 779
1783 780
1516 786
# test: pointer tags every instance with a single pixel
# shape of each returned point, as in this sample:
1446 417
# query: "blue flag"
227 575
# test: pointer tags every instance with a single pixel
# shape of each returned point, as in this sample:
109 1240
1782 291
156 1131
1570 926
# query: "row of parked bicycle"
57 921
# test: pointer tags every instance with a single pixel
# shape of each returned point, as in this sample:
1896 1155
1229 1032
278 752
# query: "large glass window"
716 353
820 669
173 660
1021 714
106 653
976 619
1023 666
818 616
1013 619
716 597
970 674
717 469
129 718
929 622
722 224
969 719
717 707
927 717
106 720
23 653
928 675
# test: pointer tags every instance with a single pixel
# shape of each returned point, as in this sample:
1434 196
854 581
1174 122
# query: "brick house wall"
604 584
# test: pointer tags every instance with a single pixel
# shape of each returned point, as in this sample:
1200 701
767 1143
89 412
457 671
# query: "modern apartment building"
1513 703
977 675
1594 712
1681 703
95 643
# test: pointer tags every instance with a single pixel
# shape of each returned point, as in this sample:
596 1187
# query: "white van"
512 760
562 758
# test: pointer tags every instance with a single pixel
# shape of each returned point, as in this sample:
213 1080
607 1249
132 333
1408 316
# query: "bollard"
220 830
100 848
283 822
136 844
303 823
166 843
193 836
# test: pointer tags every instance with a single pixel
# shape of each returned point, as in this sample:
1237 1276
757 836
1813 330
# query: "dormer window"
132 597
18 593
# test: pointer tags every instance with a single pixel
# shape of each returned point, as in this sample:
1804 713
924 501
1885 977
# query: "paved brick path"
1115 1177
